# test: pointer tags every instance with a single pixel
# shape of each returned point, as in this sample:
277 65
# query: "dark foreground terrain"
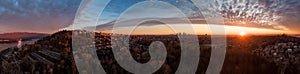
245 55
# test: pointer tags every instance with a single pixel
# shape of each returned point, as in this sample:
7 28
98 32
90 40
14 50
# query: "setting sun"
243 33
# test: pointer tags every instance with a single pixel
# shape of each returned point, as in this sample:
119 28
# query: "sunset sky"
250 16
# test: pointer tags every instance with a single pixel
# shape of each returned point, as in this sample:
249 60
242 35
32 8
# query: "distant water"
6 45
9 45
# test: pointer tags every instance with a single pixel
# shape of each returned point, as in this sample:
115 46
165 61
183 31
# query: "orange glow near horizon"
243 33
201 29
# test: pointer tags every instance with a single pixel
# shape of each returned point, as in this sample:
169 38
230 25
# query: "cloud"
37 15
175 21
269 14
51 15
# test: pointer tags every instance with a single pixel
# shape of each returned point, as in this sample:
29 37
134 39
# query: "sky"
252 16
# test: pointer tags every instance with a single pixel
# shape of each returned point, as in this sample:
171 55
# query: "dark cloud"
172 21
37 15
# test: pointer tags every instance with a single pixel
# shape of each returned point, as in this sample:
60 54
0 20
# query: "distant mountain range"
12 37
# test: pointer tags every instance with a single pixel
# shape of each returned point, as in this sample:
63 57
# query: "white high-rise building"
20 44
